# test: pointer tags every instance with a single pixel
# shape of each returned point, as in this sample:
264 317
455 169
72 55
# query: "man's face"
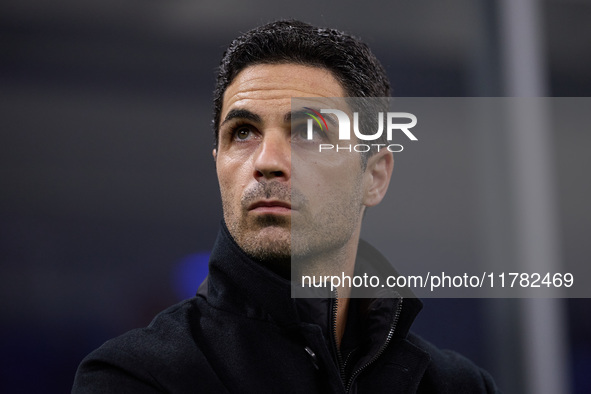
266 195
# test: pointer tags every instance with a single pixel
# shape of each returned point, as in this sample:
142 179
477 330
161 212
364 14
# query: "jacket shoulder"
151 359
450 372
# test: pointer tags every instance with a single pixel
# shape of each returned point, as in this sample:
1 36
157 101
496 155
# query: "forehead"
271 86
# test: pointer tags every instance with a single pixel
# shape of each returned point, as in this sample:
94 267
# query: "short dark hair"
289 41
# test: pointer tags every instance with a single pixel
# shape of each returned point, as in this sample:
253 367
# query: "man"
243 332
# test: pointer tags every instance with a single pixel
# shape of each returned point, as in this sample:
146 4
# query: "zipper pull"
312 357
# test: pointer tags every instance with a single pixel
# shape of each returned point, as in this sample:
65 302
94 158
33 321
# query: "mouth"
270 207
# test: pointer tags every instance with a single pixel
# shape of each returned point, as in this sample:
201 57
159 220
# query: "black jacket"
245 334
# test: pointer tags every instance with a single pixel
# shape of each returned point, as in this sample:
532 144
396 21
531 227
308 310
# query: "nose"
273 158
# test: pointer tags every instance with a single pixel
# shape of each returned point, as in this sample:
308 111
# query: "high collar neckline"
238 283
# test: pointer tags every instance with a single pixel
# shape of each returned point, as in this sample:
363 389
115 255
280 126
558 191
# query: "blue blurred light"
189 273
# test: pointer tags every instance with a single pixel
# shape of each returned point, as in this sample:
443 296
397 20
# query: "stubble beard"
266 238
304 243
319 243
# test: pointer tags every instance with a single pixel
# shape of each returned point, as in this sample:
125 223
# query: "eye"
299 132
242 133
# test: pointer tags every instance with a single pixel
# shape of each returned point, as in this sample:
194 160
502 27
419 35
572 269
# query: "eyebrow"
248 115
241 114
303 114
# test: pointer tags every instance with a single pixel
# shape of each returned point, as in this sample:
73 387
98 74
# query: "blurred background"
109 203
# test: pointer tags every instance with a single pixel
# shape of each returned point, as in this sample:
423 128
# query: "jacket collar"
239 284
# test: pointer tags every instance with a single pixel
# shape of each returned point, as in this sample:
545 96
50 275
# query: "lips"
270 207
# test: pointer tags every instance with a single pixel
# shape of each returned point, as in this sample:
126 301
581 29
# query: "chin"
267 243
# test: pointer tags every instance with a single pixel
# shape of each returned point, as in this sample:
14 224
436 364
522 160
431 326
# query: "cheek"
228 188
231 178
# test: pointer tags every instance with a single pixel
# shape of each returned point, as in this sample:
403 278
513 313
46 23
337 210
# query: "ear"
377 177
214 152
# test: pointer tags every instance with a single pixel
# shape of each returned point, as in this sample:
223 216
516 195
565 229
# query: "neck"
343 265
332 263
342 313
